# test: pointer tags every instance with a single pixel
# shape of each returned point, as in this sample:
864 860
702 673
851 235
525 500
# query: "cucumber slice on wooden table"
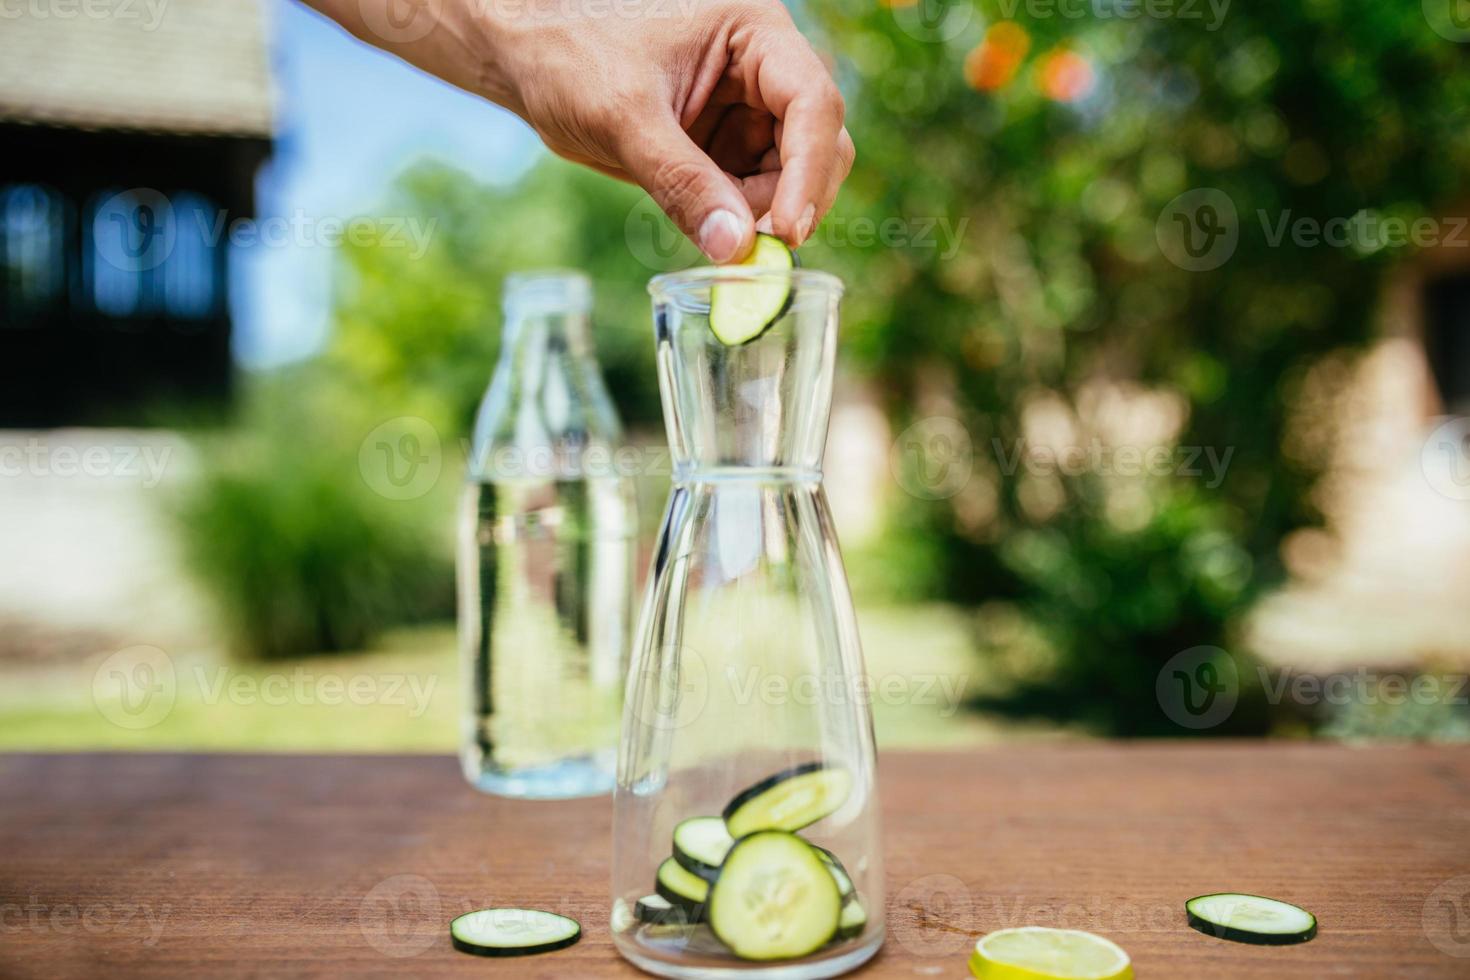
740 311
682 888
775 898
700 845
512 932
1250 919
789 800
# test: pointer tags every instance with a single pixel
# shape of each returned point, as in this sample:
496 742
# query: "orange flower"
995 60
1065 76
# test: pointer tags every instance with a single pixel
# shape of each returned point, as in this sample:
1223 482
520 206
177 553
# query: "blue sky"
348 120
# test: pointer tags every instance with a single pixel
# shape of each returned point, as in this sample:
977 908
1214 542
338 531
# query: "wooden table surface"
236 865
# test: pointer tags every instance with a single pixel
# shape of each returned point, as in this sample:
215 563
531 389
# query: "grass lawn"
404 695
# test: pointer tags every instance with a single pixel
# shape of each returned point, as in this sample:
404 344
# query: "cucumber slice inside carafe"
789 800
682 888
775 898
700 845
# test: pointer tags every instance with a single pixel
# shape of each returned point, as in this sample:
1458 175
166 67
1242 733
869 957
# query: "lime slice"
1035 953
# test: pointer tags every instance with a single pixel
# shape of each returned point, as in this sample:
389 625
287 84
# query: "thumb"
692 190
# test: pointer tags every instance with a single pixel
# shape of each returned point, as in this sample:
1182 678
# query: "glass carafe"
747 670
546 551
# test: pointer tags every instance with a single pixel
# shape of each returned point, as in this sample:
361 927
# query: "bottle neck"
547 396
538 335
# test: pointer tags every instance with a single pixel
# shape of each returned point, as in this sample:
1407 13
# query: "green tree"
1062 141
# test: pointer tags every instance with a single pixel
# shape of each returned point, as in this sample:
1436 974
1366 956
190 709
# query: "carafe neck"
547 390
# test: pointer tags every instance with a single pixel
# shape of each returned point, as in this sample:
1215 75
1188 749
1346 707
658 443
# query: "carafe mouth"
544 292
689 289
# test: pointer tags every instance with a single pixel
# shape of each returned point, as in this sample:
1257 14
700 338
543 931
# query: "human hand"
719 109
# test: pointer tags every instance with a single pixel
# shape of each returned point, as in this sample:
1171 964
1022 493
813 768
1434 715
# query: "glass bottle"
546 550
747 661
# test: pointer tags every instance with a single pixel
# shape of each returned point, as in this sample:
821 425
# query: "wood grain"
234 866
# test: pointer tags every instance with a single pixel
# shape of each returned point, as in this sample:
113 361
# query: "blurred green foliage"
1088 583
428 327
282 529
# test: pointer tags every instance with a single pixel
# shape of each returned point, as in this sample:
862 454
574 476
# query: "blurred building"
131 135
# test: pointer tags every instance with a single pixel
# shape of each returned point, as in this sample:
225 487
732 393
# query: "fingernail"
719 236
804 223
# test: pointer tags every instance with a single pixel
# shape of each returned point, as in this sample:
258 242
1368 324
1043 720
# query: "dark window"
147 254
32 251
1447 338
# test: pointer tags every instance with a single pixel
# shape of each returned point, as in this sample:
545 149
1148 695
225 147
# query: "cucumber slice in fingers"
682 888
775 898
1250 919
512 932
742 310
789 800
700 845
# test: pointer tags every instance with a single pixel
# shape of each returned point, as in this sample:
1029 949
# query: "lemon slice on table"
1035 953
